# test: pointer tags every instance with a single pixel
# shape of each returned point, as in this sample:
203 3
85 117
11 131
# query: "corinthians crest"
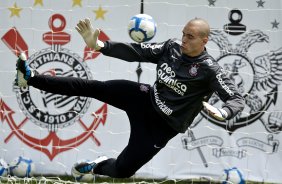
256 77
47 110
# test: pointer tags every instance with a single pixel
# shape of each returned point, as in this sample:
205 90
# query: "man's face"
192 43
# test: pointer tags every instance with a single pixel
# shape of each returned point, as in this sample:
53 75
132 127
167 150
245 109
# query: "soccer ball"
3 168
232 176
81 177
22 167
142 28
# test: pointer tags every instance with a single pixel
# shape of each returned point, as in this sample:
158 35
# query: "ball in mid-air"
142 28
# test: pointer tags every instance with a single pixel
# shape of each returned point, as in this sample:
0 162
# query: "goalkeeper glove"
89 35
219 114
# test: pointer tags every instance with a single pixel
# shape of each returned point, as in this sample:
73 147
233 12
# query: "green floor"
105 180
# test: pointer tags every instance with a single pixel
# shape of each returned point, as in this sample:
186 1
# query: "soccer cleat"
87 167
23 71
214 112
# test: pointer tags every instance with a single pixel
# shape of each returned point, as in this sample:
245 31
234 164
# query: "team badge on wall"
47 110
256 79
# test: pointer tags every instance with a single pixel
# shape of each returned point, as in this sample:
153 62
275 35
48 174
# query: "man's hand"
89 35
219 114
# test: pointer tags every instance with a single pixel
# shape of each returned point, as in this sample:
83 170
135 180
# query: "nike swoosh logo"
157 147
173 57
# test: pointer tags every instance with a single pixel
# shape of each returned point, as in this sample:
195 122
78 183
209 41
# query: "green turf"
105 180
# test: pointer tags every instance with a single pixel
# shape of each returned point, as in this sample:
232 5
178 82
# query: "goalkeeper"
187 76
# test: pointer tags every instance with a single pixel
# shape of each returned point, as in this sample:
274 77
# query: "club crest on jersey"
193 71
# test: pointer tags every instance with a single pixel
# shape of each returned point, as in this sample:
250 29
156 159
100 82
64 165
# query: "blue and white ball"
3 168
22 167
232 176
142 28
81 177
84 178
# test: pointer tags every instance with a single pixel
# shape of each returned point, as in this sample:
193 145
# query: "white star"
70 115
38 114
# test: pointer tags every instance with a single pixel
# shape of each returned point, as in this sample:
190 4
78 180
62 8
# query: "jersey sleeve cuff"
229 112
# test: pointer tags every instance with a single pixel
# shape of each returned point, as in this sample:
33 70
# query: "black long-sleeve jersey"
182 82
